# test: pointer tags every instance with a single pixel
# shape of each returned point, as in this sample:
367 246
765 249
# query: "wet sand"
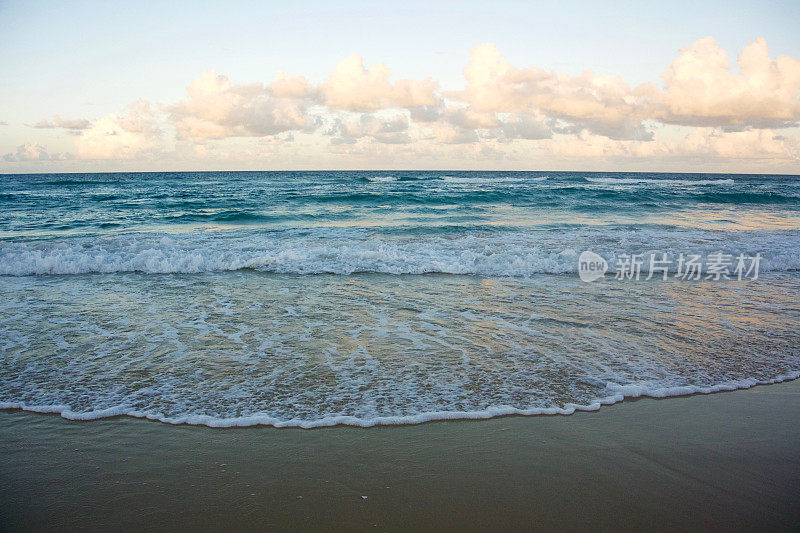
727 460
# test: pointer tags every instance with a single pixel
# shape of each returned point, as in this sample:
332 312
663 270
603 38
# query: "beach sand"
726 460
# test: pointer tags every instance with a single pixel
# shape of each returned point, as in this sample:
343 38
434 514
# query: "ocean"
307 299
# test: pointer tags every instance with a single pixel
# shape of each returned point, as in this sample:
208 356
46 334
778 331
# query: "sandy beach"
720 461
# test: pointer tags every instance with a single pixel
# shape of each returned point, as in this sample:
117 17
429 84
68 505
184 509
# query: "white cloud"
34 152
523 127
285 86
353 87
701 89
586 144
136 134
447 133
600 103
749 144
699 142
387 130
217 108
58 122
468 118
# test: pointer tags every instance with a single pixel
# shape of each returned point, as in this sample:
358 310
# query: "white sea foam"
662 182
624 392
488 180
380 179
506 254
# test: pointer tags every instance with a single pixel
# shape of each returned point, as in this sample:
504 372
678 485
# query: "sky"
648 86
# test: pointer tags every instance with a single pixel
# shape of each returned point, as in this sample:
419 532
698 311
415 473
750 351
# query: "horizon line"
400 170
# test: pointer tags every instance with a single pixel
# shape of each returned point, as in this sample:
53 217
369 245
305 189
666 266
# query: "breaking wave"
343 252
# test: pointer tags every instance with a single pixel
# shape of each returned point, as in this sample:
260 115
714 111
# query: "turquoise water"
318 298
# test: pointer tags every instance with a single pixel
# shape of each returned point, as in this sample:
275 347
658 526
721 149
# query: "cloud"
136 134
217 108
387 130
447 133
701 89
703 107
34 152
58 122
467 118
586 144
750 144
603 104
524 127
428 113
699 142
353 87
285 86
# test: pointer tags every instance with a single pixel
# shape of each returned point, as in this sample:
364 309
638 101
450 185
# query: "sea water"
320 298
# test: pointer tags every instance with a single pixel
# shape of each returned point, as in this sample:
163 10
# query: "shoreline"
698 461
635 392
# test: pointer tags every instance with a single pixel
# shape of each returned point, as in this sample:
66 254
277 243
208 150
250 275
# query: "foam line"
622 392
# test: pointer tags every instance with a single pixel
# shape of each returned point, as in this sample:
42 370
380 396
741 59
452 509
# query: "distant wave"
390 179
239 216
665 182
489 180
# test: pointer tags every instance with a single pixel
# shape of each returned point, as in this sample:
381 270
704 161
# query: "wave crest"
332 252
